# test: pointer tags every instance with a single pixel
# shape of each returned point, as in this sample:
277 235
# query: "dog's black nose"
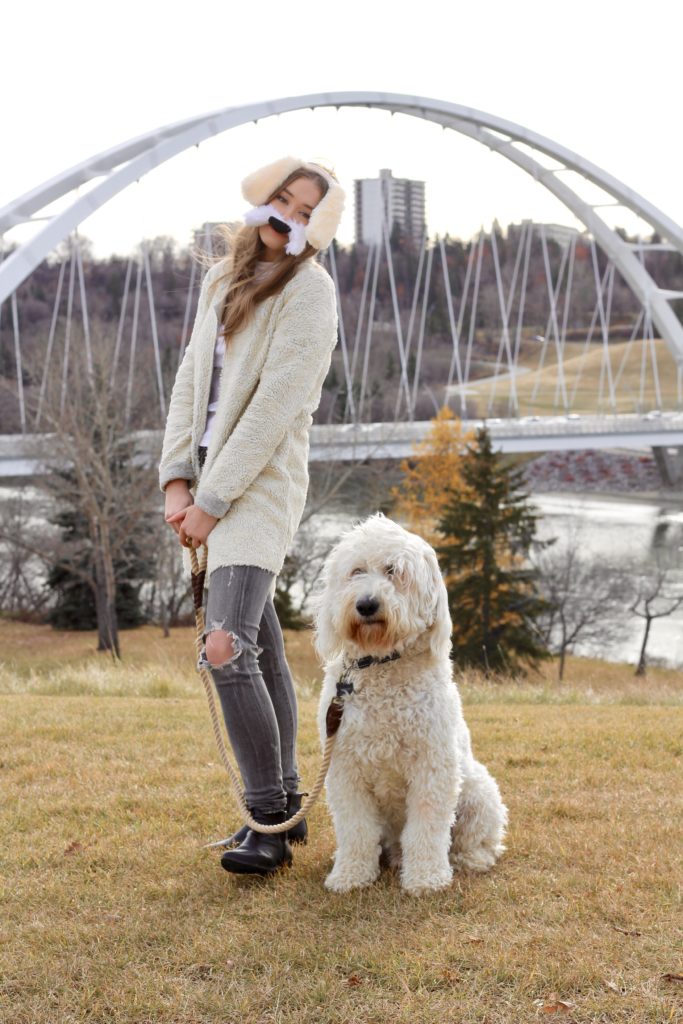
279 225
367 606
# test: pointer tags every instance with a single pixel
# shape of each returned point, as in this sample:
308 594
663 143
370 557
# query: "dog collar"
344 684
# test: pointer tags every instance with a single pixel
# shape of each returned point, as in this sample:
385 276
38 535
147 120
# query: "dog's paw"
344 881
418 883
480 859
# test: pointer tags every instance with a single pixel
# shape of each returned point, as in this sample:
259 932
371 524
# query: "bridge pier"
670 464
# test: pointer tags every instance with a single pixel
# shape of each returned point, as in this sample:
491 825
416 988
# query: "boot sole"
240 868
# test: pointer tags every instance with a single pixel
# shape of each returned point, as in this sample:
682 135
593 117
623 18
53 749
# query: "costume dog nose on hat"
325 217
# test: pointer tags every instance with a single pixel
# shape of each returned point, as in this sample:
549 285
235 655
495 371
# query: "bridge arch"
127 162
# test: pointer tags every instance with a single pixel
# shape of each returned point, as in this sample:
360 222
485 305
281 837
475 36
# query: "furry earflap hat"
321 228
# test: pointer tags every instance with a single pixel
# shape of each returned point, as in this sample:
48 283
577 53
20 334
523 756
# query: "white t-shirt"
261 269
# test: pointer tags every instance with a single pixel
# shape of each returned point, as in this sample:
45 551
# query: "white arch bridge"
535 374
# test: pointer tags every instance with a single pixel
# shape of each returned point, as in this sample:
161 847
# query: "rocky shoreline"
609 472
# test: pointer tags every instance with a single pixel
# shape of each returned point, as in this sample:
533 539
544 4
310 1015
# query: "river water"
616 534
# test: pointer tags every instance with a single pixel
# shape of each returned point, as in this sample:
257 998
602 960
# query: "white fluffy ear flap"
325 218
258 186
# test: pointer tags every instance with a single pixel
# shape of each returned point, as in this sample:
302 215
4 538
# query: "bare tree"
171 589
21 572
656 597
91 469
586 599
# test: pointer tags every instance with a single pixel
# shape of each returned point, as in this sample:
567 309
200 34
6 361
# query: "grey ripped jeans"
255 685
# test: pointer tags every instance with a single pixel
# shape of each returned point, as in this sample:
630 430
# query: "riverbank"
612 473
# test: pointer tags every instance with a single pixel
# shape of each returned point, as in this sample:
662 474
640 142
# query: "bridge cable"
133 341
342 330
50 341
84 305
155 336
188 309
627 350
421 333
67 329
461 312
359 327
506 309
413 312
505 333
394 301
608 315
608 319
655 368
603 328
565 309
523 290
653 348
475 299
455 338
122 318
553 295
368 337
589 337
17 359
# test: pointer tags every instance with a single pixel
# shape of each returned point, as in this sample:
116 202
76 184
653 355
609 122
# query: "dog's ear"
325 639
442 625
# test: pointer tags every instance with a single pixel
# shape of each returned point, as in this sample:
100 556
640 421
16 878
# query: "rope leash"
332 722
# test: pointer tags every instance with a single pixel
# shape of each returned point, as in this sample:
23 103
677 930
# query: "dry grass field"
111 911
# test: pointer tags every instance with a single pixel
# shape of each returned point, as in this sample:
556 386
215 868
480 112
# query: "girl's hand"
178 497
194 524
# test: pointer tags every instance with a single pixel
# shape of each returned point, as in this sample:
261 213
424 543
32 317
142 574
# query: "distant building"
403 200
560 233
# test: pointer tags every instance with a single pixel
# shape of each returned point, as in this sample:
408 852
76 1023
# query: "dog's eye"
356 572
389 570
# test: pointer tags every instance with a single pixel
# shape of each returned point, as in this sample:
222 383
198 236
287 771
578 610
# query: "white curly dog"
403 783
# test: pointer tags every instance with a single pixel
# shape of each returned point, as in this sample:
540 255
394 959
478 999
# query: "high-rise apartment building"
402 199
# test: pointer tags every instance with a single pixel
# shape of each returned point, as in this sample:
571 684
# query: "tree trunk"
107 624
640 671
560 668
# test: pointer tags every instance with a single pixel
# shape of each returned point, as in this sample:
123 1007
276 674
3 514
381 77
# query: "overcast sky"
602 78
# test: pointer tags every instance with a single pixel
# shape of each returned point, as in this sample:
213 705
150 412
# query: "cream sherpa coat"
255 477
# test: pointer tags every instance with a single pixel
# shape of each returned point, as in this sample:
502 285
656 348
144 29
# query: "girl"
234 469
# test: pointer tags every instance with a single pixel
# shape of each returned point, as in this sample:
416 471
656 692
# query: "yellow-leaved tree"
434 467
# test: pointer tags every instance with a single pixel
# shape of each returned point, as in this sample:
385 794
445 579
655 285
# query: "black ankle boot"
298 834
260 853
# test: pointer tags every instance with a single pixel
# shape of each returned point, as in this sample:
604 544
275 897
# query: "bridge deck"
22 455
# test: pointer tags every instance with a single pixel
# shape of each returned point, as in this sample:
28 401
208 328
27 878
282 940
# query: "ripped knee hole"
220 647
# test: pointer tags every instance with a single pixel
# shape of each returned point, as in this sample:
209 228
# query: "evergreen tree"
488 529
73 580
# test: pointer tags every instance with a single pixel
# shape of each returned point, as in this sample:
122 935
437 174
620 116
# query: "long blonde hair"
244 247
